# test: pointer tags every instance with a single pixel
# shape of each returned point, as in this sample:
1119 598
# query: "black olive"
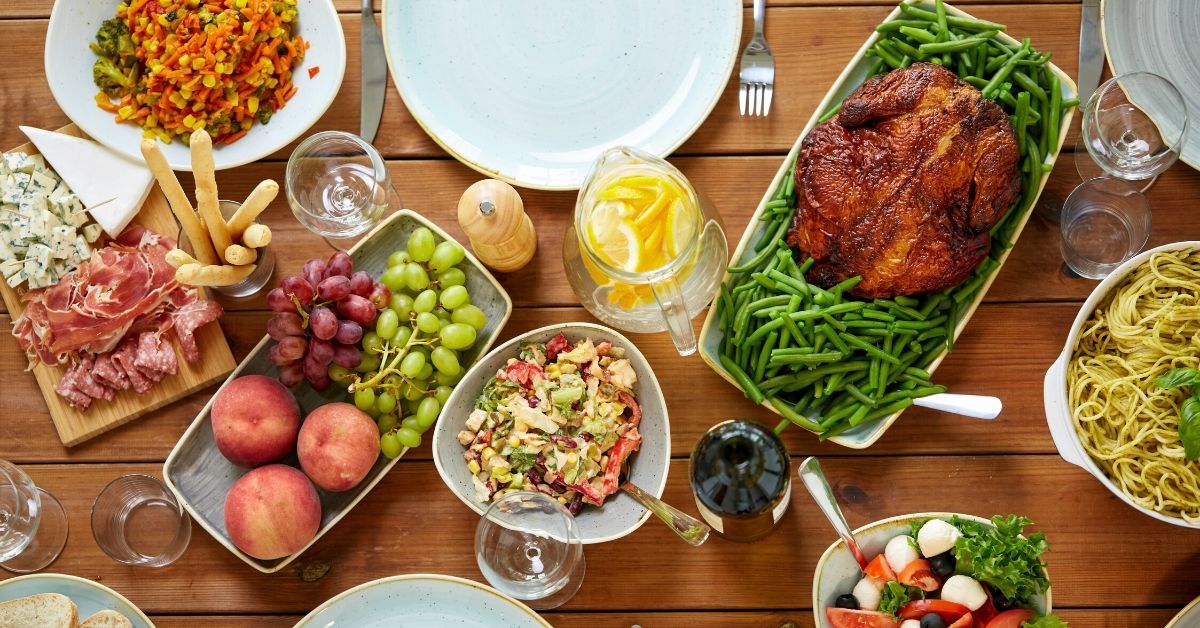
1001 602
933 620
942 565
846 601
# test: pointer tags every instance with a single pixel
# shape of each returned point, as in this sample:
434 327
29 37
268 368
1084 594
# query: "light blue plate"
422 601
532 91
89 596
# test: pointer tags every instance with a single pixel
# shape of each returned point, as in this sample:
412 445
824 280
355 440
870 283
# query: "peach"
338 445
272 512
255 420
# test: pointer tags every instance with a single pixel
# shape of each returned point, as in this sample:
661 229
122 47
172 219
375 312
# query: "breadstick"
239 255
258 200
178 257
256 236
180 205
212 275
206 190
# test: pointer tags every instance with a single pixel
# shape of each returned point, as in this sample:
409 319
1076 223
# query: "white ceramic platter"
532 91
68 60
1058 410
1157 37
90 597
420 601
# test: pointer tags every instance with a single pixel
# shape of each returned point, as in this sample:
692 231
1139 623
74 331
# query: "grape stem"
390 368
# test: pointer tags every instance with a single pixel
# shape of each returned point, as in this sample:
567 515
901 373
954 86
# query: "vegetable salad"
559 419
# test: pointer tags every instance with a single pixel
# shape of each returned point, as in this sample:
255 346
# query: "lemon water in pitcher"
645 252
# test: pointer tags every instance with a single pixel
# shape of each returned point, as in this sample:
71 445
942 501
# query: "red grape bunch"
319 320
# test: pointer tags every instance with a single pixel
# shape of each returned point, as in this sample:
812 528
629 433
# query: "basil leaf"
1189 427
1178 377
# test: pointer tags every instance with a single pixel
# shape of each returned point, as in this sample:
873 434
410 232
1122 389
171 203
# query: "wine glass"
33 526
338 186
1133 129
528 546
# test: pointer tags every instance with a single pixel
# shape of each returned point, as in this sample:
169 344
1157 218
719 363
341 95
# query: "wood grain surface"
1110 565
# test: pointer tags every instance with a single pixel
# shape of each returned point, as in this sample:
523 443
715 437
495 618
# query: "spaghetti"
1148 325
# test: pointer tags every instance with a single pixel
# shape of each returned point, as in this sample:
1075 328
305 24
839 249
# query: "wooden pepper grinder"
494 219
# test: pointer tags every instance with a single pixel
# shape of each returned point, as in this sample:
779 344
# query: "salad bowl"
621 514
837 572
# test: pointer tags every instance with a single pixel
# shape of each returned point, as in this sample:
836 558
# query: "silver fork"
757 74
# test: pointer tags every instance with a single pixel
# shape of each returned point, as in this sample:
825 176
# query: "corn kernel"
189 120
562 499
572 458
185 93
164 3
185 59
198 106
241 4
473 467
197 63
198 125
125 111
162 20
209 80
252 107
514 441
272 82
278 31
487 453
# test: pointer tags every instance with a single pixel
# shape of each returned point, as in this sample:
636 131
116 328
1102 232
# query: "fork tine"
758 99
742 89
770 92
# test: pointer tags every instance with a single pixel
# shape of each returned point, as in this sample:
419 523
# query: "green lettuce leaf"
1012 565
1045 621
895 595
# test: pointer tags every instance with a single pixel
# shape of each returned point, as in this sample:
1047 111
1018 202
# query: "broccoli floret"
113 40
110 79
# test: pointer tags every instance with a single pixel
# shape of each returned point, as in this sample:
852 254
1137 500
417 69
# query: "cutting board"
216 361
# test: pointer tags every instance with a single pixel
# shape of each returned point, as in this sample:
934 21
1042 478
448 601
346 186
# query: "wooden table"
1110 565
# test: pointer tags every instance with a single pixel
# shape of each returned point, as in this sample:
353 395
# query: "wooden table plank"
983 363
809 56
412 524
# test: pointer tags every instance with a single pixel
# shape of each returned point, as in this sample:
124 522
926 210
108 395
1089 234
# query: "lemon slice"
680 226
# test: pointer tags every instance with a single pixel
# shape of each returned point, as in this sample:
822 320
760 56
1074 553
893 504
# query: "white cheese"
868 592
936 536
899 552
964 590
91 233
111 186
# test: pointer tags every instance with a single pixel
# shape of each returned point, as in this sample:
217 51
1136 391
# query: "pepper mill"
494 219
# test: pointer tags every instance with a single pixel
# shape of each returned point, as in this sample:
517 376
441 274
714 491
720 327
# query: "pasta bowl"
1058 409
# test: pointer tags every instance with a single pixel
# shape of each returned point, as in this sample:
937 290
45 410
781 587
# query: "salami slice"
124 357
188 319
67 390
155 358
108 373
88 384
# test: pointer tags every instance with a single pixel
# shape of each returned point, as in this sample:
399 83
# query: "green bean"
895 25
967 23
918 325
906 48
833 322
811 358
781 299
883 53
936 332
918 33
762 331
1022 117
1029 85
742 379
878 315
846 285
791 415
864 324
887 410
752 263
764 355
860 395
832 335
1055 111
829 114
1070 102
781 278
960 45
871 349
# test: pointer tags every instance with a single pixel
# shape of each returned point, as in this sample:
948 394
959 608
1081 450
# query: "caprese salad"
954 573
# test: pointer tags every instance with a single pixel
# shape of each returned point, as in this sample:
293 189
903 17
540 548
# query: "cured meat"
87 384
188 319
125 356
155 356
66 389
108 373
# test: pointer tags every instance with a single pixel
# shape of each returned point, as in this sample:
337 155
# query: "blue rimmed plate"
90 597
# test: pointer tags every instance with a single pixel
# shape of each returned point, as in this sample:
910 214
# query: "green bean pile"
800 347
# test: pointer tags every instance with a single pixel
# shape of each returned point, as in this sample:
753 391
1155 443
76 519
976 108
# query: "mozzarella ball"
936 536
899 552
964 590
910 623
868 592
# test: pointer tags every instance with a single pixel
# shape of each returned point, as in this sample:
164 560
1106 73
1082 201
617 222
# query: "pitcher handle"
669 296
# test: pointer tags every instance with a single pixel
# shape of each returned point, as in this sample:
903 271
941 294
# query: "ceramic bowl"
1058 411
201 477
621 514
69 63
856 72
837 572
90 597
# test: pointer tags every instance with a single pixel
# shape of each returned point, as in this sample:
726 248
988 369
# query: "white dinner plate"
89 597
69 61
422 601
532 91
1158 37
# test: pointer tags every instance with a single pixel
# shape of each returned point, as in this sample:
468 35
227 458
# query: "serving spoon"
974 406
814 480
689 528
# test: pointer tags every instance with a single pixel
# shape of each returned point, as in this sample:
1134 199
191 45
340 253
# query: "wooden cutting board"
216 361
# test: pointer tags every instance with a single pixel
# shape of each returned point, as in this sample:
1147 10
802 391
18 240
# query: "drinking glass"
1104 222
136 520
33 526
528 546
645 251
1133 128
264 266
338 185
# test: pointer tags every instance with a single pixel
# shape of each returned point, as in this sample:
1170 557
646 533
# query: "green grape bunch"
410 362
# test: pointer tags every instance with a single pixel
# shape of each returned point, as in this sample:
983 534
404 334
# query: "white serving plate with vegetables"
1058 409
837 574
957 306
201 477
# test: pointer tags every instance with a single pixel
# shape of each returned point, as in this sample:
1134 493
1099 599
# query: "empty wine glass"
528 546
33 526
1133 129
338 185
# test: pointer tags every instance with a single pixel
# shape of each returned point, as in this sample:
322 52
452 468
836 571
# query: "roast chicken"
903 185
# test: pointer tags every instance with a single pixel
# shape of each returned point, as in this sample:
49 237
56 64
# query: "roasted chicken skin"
903 185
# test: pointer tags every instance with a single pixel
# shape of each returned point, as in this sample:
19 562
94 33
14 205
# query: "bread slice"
107 619
44 610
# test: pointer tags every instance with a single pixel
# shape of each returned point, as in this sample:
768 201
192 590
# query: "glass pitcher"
645 252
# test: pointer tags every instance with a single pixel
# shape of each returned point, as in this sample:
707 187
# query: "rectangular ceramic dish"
201 477
855 73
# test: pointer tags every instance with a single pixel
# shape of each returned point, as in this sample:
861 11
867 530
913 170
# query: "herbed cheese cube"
43 182
82 250
13 161
92 232
10 267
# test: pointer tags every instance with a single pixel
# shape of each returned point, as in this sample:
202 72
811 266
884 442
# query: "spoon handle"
974 406
689 528
814 480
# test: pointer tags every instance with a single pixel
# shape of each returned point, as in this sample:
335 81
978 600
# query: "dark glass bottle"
739 474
